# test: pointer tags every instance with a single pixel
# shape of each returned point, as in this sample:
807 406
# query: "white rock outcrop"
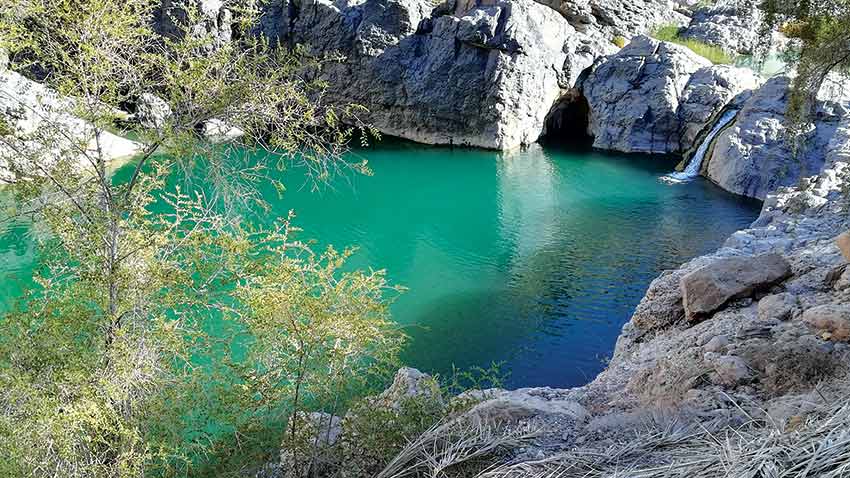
656 97
755 157
45 129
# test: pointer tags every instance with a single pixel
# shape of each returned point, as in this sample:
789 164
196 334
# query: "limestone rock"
513 406
208 18
709 288
218 131
753 158
778 306
831 319
656 97
728 24
480 74
717 344
32 109
730 370
662 304
152 111
843 243
634 96
408 383
708 91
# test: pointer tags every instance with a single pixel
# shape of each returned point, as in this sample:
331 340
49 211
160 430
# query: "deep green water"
535 258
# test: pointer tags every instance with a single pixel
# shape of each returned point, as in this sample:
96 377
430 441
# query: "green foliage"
168 335
819 47
376 430
716 55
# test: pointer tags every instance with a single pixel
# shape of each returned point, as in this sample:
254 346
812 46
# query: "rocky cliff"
656 97
480 73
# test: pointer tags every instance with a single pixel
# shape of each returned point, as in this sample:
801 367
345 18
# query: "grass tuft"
716 55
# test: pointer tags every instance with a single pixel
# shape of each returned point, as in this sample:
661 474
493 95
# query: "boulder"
729 24
656 97
152 111
502 406
709 288
729 370
218 131
753 157
833 320
662 304
717 344
778 306
409 383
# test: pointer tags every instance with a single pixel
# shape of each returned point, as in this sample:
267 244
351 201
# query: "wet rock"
778 306
831 320
709 288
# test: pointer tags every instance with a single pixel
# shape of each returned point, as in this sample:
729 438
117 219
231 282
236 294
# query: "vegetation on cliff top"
670 33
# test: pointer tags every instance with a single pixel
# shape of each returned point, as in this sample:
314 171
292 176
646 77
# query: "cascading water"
692 171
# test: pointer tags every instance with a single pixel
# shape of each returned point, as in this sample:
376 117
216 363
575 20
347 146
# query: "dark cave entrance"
568 120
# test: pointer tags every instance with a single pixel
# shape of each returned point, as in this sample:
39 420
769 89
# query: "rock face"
707 289
32 109
465 73
708 91
176 18
753 158
728 24
655 97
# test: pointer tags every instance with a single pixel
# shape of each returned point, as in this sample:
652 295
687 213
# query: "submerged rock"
709 288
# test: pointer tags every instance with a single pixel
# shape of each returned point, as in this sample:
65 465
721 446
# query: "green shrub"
716 55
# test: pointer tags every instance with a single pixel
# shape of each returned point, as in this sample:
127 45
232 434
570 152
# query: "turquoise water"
535 258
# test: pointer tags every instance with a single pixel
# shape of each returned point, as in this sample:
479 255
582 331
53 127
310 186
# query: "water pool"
534 258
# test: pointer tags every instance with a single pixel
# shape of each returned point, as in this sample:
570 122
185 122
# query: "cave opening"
568 120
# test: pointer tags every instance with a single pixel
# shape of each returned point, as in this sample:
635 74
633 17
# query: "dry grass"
815 446
459 447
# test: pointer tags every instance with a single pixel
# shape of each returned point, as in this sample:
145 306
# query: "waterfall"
695 164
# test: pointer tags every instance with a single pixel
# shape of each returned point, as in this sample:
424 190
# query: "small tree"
109 368
820 46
